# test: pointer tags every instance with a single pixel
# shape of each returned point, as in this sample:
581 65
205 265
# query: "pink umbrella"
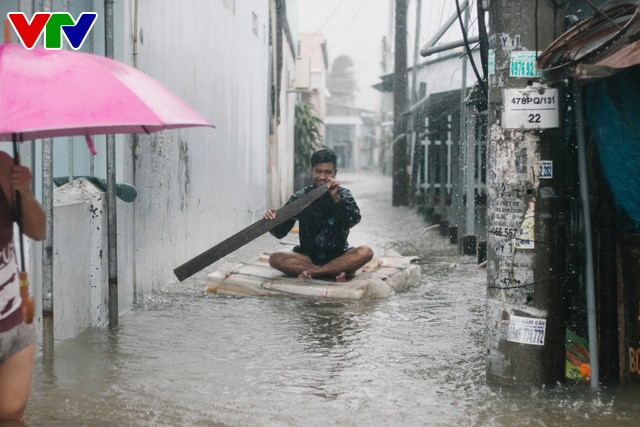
53 93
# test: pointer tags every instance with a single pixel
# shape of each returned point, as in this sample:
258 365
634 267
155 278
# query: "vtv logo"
52 24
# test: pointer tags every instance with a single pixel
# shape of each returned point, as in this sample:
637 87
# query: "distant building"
313 46
343 123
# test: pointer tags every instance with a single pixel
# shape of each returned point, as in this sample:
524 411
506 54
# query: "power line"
346 30
327 20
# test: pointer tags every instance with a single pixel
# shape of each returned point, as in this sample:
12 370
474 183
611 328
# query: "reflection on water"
186 358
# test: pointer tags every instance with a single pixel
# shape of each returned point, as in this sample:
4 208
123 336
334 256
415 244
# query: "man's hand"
270 214
19 179
333 189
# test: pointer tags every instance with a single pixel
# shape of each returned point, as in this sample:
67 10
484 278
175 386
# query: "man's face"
321 172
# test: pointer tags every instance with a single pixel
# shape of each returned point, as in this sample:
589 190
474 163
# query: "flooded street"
186 358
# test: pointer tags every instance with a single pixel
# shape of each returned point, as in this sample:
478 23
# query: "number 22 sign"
531 108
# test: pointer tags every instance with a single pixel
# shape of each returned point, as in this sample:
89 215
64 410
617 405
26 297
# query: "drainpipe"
416 51
584 195
70 139
32 10
135 153
135 34
468 186
92 160
111 186
47 246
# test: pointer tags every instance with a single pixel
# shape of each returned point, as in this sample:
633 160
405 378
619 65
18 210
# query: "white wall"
286 128
447 74
196 186
80 268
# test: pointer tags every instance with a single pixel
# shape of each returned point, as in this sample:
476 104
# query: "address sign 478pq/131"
531 108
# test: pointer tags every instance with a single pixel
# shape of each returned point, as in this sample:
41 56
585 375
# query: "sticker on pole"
531 108
492 62
523 64
545 169
527 330
525 237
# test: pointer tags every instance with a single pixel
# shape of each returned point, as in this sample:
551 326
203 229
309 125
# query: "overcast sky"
356 27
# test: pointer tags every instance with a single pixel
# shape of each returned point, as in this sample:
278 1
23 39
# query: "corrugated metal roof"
597 47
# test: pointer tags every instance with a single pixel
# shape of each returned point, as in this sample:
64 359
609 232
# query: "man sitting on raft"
324 228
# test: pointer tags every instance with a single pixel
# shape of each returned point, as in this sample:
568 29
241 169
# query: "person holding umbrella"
17 338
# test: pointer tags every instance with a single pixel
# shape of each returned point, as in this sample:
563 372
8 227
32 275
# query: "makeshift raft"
381 277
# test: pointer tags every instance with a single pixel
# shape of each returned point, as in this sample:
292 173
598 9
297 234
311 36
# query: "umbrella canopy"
52 93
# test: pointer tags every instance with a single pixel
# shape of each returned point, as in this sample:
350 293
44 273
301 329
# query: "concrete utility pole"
400 191
525 316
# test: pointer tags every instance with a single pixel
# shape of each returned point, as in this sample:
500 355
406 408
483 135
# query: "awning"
597 47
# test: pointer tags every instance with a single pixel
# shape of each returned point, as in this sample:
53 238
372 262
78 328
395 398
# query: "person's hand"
270 214
20 178
333 189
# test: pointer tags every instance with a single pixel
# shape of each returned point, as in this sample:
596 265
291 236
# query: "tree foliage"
307 137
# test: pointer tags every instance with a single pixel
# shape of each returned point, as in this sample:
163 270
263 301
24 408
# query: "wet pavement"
186 358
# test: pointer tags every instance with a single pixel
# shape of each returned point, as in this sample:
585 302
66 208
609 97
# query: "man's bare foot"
342 277
305 275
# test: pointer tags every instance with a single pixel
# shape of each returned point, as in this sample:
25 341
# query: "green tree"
307 138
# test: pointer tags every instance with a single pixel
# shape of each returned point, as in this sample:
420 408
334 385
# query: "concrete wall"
80 268
286 128
196 186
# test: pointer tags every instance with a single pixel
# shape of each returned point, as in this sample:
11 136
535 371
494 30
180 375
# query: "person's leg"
345 264
290 263
15 383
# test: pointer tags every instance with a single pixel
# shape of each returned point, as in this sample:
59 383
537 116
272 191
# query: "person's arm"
283 229
34 220
347 210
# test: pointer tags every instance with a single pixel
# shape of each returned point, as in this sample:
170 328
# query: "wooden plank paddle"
250 233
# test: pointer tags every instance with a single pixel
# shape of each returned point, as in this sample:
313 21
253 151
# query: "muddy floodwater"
182 357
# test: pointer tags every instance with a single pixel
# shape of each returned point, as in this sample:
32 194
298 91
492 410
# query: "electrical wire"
535 24
348 27
343 20
327 20
484 43
481 82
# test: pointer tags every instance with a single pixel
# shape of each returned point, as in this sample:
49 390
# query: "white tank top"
10 299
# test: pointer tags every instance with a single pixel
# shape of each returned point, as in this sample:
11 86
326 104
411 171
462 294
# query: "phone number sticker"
523 64
527 330
531 109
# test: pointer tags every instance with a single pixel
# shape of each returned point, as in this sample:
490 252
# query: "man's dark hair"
324 156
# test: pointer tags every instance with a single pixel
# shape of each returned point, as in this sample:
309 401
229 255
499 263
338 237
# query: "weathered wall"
286 127
80 269
196 186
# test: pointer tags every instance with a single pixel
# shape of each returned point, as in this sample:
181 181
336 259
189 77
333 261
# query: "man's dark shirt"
324 225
